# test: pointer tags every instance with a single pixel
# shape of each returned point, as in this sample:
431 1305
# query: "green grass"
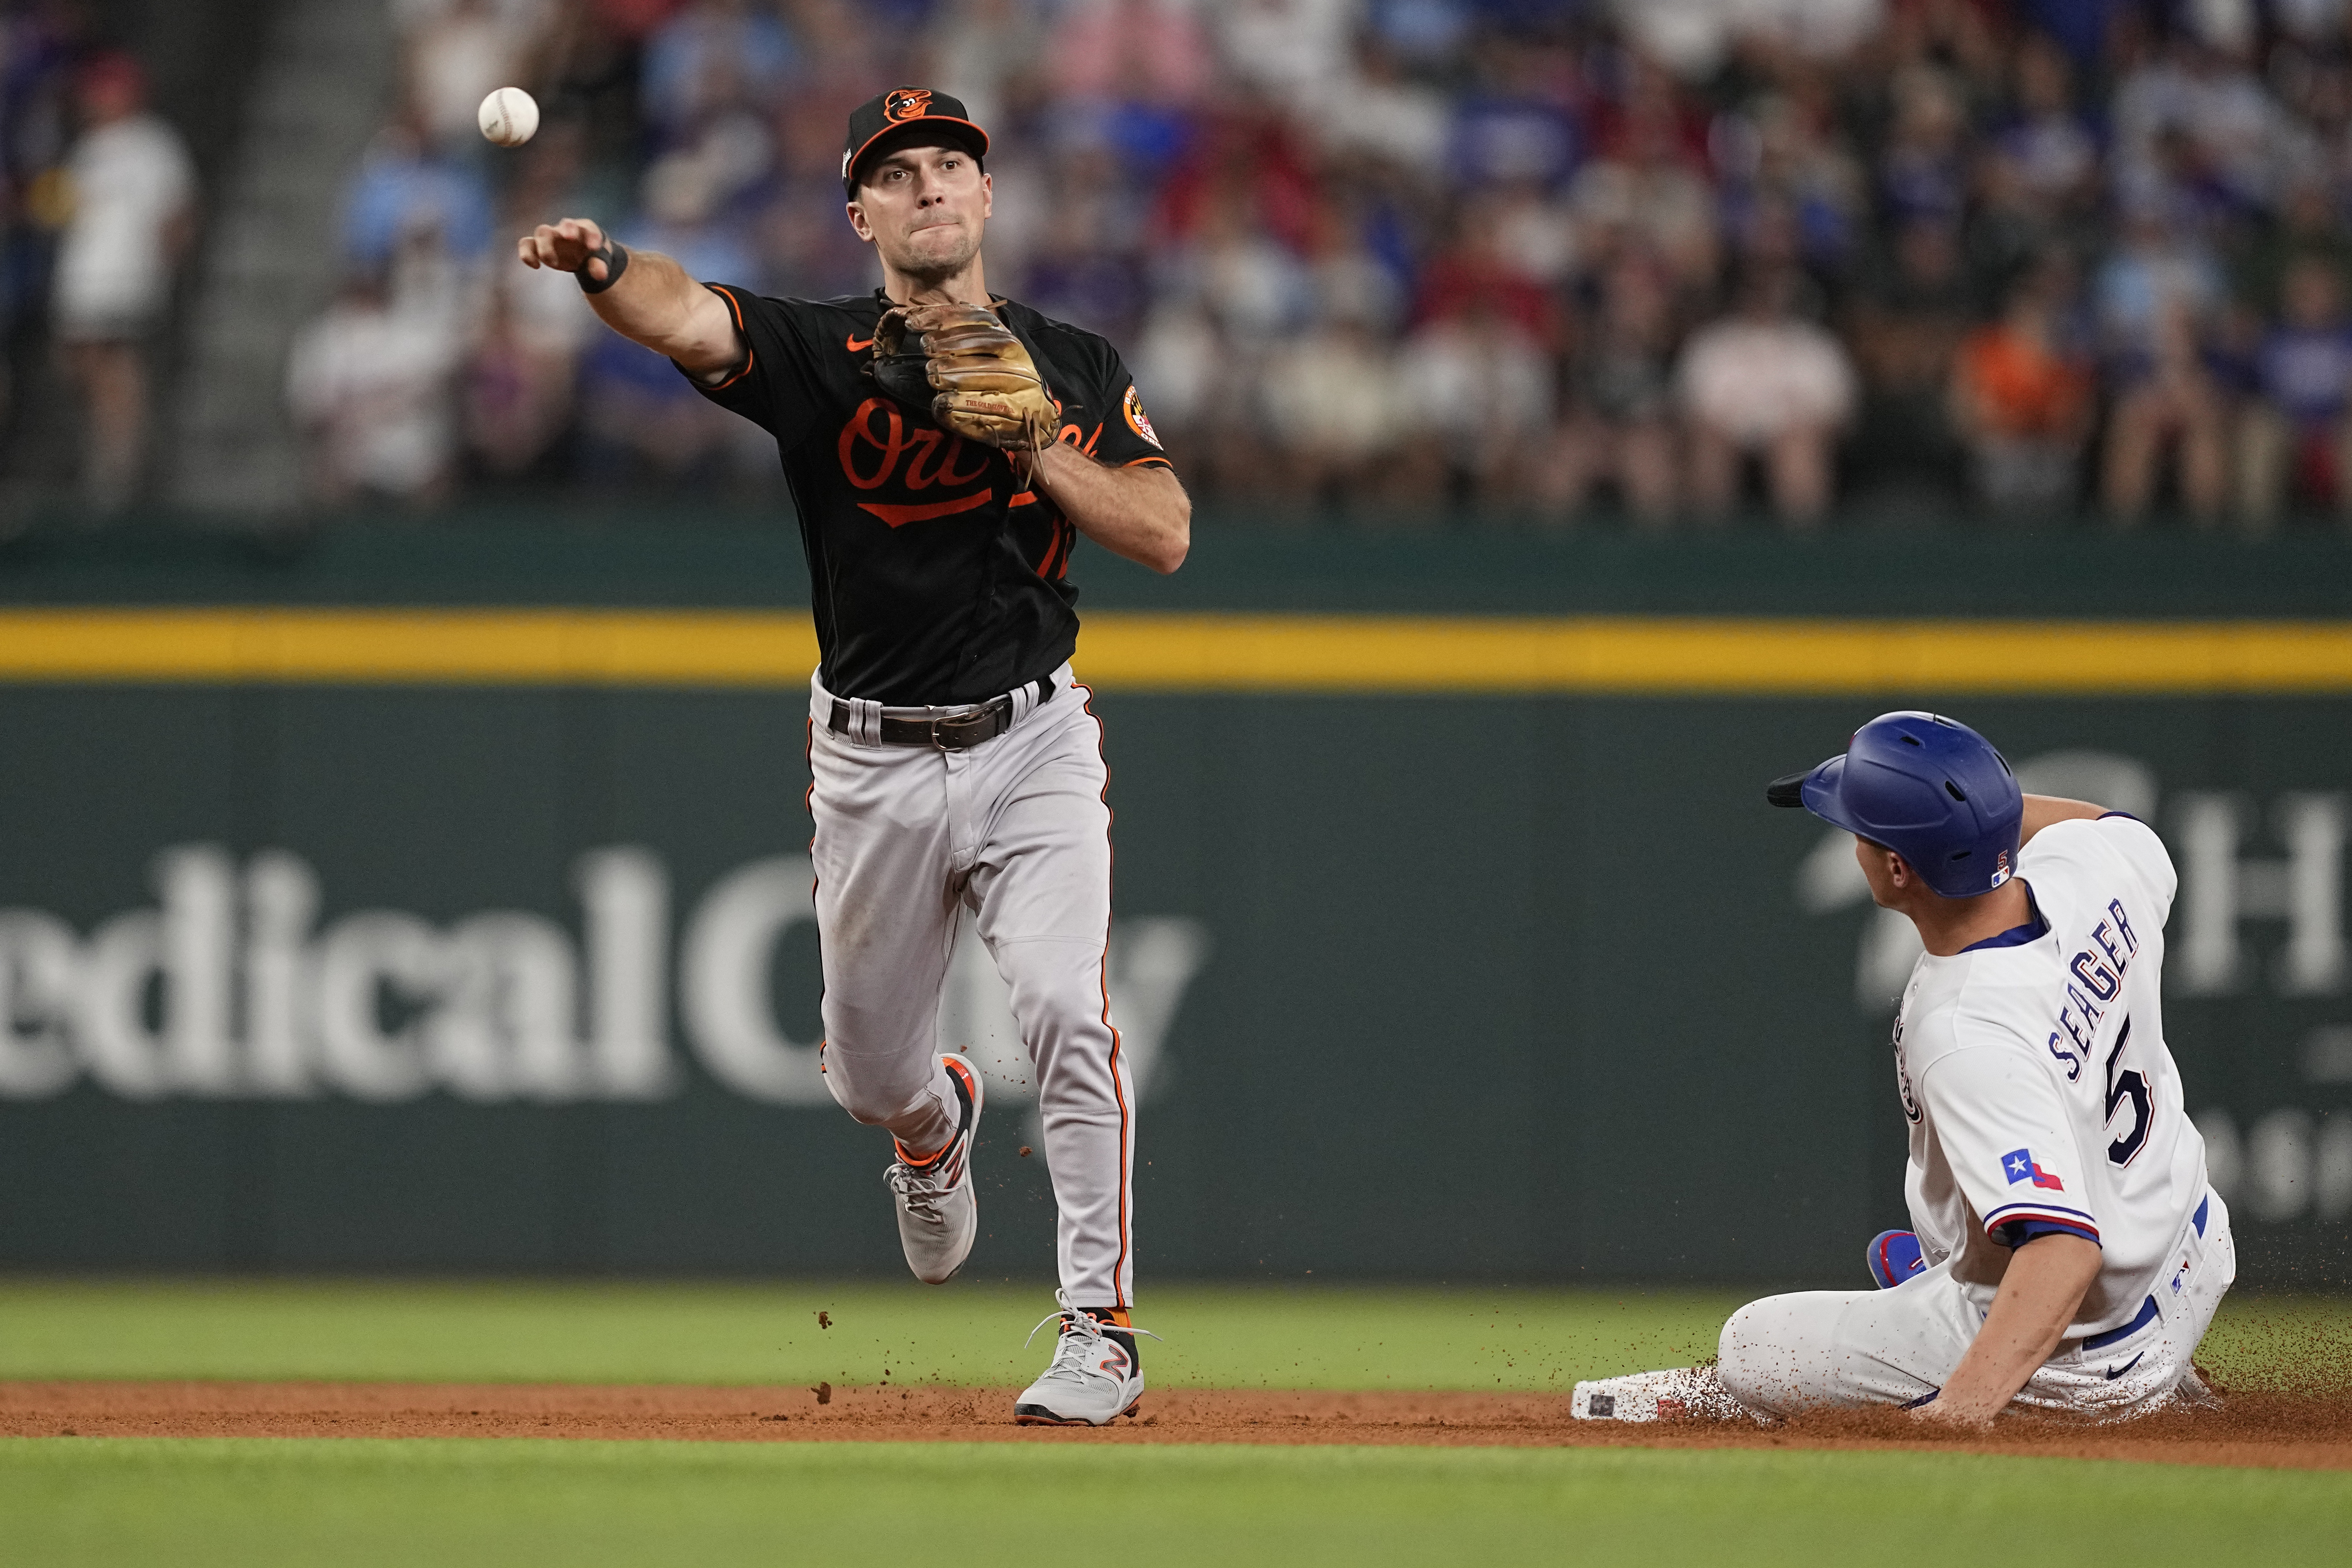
1243 1336
90 1502
265 1503
2294 1343
1214 1336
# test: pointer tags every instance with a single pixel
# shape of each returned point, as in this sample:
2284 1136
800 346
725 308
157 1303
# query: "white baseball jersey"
2041 1095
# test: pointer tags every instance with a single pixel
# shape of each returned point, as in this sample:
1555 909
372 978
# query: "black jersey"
937 578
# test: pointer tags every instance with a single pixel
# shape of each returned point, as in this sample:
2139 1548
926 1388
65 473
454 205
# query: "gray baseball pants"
1017 830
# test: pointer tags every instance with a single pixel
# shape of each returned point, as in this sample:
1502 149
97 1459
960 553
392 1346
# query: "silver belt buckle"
960 733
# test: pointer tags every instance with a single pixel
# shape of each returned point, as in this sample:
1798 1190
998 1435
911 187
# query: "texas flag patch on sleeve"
2018 1166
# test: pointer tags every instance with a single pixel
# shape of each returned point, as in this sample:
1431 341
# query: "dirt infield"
2253 1429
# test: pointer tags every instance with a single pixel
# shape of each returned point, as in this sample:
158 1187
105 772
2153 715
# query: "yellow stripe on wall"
1640 654
404 648
1204 653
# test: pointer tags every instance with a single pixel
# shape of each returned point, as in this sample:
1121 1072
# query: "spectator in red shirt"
1477 272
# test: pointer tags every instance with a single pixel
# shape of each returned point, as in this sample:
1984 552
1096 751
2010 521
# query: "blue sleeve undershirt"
2017 1232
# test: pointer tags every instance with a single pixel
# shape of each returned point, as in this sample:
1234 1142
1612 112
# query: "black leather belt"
951 733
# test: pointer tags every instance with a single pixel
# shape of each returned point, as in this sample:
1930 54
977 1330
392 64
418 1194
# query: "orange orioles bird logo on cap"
905 103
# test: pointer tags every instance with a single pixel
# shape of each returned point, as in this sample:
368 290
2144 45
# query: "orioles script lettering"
875 439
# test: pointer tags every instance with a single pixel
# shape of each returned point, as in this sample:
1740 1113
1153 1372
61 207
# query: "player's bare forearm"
1141 514
654 302
2038 1299
2041 810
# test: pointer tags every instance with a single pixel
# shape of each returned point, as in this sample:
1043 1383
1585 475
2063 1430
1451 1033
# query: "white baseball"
509 117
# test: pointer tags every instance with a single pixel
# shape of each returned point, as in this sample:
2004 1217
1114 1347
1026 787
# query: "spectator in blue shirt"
708 53
400 189
2293 435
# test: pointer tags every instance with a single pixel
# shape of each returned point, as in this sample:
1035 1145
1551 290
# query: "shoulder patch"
1137 420
2019 1165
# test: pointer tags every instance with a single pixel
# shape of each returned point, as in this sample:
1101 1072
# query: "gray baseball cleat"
1096 1376
939 1214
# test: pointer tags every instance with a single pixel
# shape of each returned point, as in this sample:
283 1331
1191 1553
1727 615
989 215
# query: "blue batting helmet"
1929 788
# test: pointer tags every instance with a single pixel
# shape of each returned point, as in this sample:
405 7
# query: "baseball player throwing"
945 450
2067 1252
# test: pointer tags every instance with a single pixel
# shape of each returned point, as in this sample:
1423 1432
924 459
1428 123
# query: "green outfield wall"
434 898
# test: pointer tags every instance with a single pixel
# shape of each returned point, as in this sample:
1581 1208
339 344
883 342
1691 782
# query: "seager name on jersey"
2097 973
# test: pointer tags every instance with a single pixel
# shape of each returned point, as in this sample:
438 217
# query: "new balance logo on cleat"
1096 1376
939 1214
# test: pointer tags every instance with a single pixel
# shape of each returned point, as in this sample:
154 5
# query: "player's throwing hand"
568 246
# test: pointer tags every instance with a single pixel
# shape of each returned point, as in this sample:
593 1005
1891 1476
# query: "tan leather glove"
964 365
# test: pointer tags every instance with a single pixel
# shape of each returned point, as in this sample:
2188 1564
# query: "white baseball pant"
1788 1354
1017 829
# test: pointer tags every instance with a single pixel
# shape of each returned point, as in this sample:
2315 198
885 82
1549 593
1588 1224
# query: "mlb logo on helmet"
2018 1165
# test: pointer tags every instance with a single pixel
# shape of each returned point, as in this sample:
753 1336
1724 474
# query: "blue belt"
2101 1341
2148 1310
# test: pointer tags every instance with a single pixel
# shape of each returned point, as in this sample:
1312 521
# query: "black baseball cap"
898 110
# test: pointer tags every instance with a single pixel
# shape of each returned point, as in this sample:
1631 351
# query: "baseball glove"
965 366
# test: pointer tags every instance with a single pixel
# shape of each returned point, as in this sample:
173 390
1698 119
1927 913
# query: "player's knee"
861 1107
1752 1355
1734 1364
869 1096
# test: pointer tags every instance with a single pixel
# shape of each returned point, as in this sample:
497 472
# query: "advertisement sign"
1418 986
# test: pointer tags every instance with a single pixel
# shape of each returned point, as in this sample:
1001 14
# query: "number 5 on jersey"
2126 1083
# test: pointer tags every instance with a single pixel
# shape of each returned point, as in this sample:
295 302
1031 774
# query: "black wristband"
615 256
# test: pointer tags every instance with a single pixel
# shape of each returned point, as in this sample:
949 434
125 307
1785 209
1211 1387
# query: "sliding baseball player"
2067 1252
946 450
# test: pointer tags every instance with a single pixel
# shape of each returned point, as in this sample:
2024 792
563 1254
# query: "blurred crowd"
1659 259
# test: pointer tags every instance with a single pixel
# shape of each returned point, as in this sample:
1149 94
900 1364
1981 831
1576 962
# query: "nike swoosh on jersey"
859 345
2115 1371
